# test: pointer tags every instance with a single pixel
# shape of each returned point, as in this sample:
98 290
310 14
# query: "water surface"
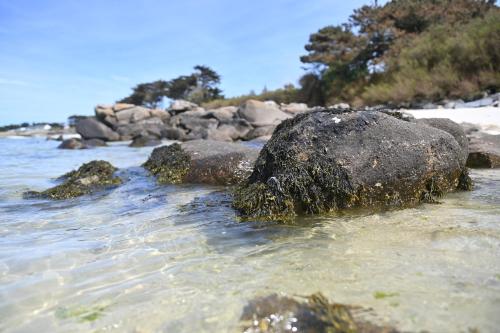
147 258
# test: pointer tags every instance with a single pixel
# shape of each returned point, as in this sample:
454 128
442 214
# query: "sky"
62 57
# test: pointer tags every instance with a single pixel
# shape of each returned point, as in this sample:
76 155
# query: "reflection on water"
149 258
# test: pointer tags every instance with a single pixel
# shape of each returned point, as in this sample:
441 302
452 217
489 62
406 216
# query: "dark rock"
260 132
484 151
145 141
277 314
151 127
90 177
261 114
324 161
202 162
72 144
90 128
173 133
452 128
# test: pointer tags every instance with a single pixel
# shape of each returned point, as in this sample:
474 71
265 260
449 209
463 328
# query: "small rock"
90 177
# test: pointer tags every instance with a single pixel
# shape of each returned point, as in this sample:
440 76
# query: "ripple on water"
175 258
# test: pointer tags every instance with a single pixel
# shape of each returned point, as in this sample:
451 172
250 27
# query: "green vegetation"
89 177
382 295
288 94
402 52
198 87
18 126
169 164
407 50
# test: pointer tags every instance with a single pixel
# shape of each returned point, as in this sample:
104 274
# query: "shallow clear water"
147 258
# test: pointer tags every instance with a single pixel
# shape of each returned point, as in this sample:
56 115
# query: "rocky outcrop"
315 314
331 159
261 114
202 162
90 177
90 128
484 151
129 121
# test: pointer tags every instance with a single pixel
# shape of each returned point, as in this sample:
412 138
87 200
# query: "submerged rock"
275 314
90 177
484 151
330 160
202 162
74 143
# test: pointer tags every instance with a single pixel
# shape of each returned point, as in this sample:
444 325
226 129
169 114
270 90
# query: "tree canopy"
350 57
198 87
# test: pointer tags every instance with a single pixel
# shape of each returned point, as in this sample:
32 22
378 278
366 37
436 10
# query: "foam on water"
152 258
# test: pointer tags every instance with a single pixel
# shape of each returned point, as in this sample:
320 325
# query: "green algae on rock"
90 177
328 160
169 164
278 314
202 162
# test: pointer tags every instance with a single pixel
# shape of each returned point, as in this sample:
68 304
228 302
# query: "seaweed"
317 314
170 164
88 178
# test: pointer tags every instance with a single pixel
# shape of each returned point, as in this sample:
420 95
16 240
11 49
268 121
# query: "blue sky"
62 57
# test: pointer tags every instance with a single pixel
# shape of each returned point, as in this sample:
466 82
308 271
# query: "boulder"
90 128
72 144
329 160
294 108
223 133
173 133
202 162
314 314
145 141
261 114
451 127
484 151
103 111
150 126
161 114
259 132
122 106
179 105
90 177
132 115
224 114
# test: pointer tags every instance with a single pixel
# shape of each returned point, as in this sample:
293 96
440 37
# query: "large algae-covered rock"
329 160
202 162
90 177
277 314
451 127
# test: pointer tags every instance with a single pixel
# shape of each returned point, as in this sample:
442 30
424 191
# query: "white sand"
487 118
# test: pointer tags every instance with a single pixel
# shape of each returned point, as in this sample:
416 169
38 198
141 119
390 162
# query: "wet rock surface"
202 162
484 151
90 177
315 314
329 160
